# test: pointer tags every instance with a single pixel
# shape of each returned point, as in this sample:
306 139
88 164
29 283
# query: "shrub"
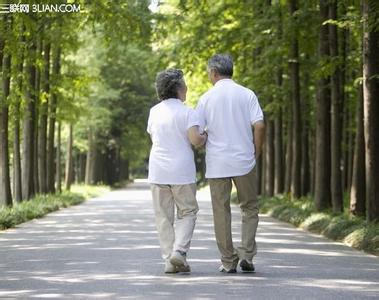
353 231
41 205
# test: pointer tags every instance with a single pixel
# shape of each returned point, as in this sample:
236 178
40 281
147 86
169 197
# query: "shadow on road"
107 248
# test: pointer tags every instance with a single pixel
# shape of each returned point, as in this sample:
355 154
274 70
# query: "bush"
353 231
41 205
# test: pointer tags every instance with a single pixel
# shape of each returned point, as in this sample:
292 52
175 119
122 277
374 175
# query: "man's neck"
220 78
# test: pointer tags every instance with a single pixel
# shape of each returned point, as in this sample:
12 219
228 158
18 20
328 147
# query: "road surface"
107 248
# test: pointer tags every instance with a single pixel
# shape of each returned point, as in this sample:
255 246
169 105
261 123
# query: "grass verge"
351 230
41 205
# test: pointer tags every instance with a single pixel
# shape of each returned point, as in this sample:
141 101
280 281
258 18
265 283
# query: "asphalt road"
107 248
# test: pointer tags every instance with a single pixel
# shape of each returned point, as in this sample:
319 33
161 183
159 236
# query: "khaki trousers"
165 199
247 197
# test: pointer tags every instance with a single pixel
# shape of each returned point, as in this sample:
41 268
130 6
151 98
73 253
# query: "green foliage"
41 205
317 222
351 230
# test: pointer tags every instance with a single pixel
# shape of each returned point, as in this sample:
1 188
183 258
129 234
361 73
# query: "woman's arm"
195 137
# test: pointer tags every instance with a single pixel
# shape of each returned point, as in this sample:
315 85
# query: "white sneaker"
180 262
170 268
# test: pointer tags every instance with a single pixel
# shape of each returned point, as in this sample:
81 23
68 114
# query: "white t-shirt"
227 111
171 157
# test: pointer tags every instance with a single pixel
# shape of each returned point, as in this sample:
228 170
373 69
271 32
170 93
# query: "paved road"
107 248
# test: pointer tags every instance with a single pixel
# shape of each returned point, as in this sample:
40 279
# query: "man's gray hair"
168 82
222 64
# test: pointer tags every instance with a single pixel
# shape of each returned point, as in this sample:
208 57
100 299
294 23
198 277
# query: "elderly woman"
173 127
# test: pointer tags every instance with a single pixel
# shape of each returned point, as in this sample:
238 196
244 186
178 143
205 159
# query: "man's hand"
259 136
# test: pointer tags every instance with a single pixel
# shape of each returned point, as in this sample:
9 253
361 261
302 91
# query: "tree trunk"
270 159
36 114
43 121
5 184
278 140
278 145
264 170
346 133
81 173
17 187
259 174
69 161
288 167
358 192
99 167
124 169
305 136
58 161
312 160
350 154
336 183
346 109
322 176
371 107
305 169
52 117
28 124
90 157
295 88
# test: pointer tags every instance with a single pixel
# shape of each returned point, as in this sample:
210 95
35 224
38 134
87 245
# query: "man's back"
228 111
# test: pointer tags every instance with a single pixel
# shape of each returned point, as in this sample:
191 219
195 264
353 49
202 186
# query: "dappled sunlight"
349 285
108 248
303 251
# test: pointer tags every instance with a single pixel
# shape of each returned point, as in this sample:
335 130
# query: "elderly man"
233 120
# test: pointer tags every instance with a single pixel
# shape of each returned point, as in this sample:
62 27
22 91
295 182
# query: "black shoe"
222 269
246 266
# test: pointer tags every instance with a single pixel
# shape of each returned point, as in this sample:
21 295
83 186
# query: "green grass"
353 231
41 205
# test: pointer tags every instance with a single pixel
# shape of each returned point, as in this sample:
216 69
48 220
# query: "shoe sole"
178 263
245 267
233 271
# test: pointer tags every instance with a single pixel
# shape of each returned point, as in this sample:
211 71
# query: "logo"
39 8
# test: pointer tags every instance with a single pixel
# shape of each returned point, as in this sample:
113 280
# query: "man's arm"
259 137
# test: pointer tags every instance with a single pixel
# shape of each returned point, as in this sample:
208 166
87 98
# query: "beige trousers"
247 197
165 199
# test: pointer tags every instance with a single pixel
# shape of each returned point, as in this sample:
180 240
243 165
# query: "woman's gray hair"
168 82
222 64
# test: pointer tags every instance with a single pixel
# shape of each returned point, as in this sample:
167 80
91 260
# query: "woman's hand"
196 138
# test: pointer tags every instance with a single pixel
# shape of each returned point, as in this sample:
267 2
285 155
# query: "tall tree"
69 159
58 160
278 122
358 185
278 148
52 118
289 156
322 167
270 158
29 117
42 137
37 93
296 114
18 88
91 157
371 105
336 134
5 65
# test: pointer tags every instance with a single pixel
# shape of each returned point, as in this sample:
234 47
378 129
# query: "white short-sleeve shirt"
171 157
227 112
